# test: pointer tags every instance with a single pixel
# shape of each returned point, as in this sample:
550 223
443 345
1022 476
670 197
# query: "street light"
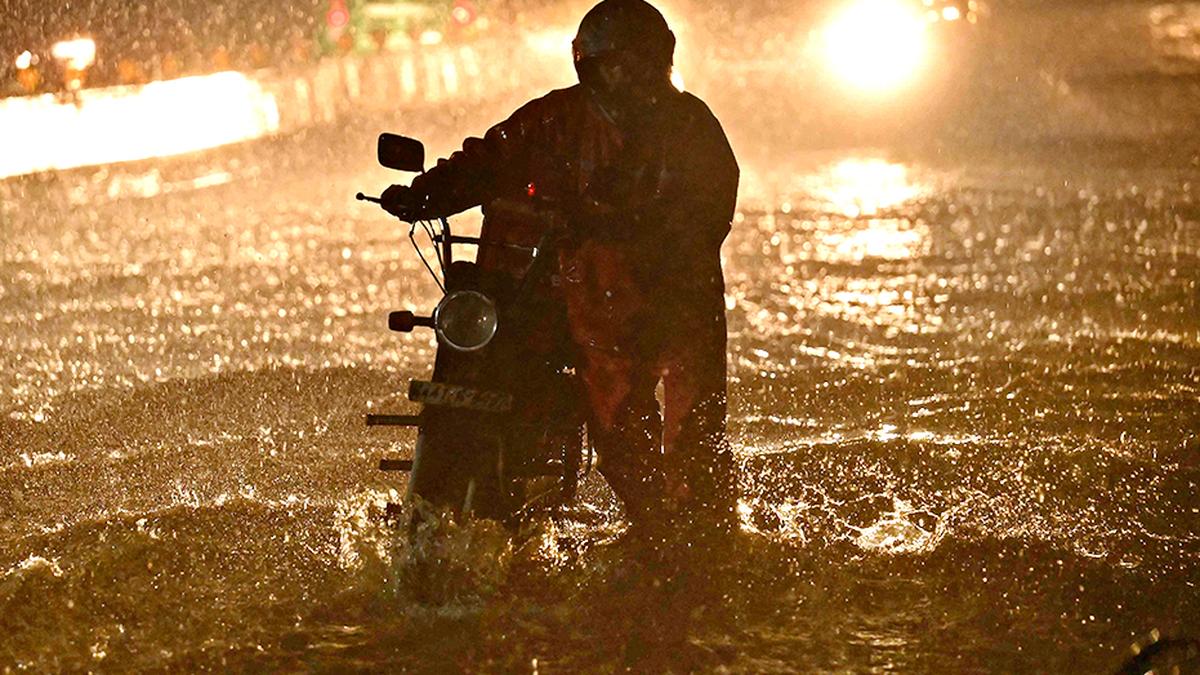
876 45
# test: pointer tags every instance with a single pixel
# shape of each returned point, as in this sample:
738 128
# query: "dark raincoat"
648 203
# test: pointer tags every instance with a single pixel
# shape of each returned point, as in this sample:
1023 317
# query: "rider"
648 184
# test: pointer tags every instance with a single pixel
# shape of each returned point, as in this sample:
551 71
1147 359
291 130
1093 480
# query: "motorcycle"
499 435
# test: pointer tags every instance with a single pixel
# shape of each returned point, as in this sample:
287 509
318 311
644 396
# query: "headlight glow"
465 320
876 45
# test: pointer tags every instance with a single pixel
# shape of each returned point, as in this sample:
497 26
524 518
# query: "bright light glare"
461 15
876 45
676 79
864 190
24 60
78 54
551 42
951 13
128 123
553 50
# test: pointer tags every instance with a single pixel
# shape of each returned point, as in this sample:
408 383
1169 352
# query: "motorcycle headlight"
876 45
465 320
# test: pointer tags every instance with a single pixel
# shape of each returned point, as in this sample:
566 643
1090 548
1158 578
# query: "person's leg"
625 427
699 464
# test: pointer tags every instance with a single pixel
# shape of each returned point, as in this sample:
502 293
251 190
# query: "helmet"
625 25
623 55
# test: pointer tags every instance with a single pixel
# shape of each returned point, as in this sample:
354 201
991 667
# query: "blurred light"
864 187
951 13
551 42
338 17
553 48
78 54
128 123
431 37
462 14
876 45
24 60
880 238
676 79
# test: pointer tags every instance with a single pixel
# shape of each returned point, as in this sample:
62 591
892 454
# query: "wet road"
965 393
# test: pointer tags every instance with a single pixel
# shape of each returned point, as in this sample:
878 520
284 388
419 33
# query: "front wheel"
459 473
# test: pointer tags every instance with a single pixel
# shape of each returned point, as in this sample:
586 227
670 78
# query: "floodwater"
965 395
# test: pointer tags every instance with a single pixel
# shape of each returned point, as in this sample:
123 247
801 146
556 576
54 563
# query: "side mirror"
401 153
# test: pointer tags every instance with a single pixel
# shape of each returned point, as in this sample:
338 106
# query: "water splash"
900 531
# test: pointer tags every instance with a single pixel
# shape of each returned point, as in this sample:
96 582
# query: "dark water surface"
965 393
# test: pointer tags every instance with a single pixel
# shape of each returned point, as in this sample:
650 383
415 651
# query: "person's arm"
481 170
700 219
692 216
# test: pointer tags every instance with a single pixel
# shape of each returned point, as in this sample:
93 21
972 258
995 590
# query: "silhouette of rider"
647 181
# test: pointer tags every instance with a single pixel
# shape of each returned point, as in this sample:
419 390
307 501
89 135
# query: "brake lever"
368 198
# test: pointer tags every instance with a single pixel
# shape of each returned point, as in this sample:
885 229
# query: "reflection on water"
913 390
864 186
883 238
937 394
856 211
860 190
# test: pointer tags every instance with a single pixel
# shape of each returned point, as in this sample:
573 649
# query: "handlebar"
550 218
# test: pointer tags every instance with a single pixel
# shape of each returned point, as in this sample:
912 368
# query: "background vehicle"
500 433
842 68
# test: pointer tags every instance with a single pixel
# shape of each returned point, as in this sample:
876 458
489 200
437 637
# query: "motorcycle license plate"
456 396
